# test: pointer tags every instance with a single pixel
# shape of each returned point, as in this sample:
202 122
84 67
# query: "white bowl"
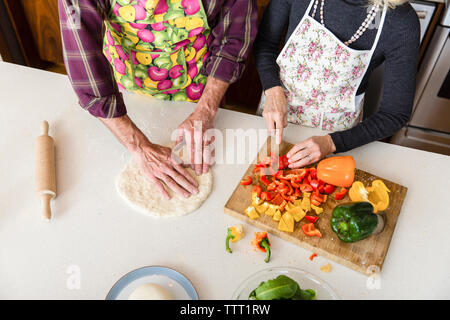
304 279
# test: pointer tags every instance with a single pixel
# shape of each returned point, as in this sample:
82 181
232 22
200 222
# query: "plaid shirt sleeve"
233 38
82 30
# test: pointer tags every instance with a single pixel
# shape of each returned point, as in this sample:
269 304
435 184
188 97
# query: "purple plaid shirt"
233 24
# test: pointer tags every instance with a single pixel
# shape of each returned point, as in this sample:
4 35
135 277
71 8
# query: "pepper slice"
312 256
341 194
257 189
246 181
311 218
267 196
329 188
264 180
310 230
304 187
261 242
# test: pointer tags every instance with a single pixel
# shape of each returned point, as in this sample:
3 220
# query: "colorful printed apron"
320 76
157 47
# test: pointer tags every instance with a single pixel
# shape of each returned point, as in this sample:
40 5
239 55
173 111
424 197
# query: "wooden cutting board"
365 256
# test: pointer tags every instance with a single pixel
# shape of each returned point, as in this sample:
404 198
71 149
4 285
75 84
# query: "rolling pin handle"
46 210
44 128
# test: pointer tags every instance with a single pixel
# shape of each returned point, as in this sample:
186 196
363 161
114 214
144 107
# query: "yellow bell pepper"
377 194
286 223
251 212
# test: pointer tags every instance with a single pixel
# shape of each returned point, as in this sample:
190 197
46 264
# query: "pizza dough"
142 195
150 291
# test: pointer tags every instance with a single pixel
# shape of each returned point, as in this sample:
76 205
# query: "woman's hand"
275 112
310 151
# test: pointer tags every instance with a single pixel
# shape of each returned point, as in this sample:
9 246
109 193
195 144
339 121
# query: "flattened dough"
143 196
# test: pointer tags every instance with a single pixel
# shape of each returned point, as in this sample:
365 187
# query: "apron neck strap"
380 28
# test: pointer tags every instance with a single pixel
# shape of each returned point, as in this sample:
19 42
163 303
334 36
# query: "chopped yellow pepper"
277 215
318 210
286 223
297 213
251 212
262 208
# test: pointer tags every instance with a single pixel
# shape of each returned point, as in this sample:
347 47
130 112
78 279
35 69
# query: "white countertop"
95 231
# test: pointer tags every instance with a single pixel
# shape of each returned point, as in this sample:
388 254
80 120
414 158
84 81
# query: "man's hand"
275 112
310 151
193 129
156 162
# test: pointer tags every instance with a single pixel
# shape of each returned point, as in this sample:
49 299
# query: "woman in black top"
307 62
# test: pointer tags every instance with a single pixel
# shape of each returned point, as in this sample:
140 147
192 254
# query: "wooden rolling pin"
45 170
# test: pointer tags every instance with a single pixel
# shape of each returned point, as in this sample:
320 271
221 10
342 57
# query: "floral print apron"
157 47
320 76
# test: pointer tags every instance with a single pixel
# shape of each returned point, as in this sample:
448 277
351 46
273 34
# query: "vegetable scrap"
326 268
312 256
261 242
234 234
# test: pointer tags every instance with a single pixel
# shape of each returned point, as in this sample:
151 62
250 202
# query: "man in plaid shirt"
233 28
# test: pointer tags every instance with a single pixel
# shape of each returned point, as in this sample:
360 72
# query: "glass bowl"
304 279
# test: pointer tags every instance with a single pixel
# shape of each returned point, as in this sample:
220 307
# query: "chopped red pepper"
304 187
341 194
321 188
313 173
311 218
311 231
264 180
329 188
246 181
283 205
297 193
277 200
314 183
267 196
257 189
317 196
272 186
312 256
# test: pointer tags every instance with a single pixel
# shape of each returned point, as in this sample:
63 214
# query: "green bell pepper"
353 221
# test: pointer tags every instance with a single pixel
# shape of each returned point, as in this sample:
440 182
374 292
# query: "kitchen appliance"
429 127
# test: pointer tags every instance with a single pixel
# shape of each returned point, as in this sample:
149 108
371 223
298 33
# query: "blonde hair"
390 3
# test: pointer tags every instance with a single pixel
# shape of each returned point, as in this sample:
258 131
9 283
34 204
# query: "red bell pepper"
297 193
264 180
277 200
246 181
312 256
304 187
314 183
272 186
267 196
341 194
311 231
329 188
311 218
313 173
317 196
257 189
283 205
